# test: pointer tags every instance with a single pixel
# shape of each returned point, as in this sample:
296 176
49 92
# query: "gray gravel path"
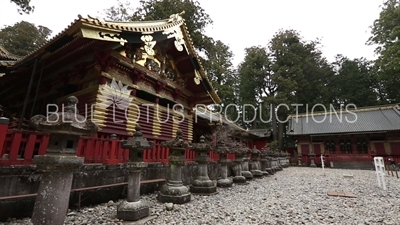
293 196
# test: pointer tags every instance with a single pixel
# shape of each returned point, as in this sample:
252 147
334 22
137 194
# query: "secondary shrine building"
348 138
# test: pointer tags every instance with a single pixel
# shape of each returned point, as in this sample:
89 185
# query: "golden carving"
152 65
148 44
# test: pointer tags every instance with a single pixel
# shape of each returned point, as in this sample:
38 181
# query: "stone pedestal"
239 178
224 181
223 150
299 160
255 164
264 161
274 165
174 191
263 167
280 163
133 208
59 162
245 168
269 168
202 184
312 162
52 200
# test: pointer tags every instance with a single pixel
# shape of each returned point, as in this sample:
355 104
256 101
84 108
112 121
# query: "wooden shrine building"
123 73
348 136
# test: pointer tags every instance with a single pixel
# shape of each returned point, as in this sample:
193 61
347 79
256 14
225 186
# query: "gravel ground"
293 196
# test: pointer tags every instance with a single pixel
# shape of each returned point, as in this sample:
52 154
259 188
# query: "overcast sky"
342 25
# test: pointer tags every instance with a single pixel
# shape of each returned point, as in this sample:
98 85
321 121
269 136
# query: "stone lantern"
202 184
299 158
277 158
223 150
264 167
174 191
272 161
59 162
245 164
240 153
255 168
286 160
133 208
312 159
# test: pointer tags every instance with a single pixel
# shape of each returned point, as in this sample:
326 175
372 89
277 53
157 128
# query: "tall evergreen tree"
385 33
354 83
23 37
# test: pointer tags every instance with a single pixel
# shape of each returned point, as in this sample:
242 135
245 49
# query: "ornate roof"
7 56
7 60
148 32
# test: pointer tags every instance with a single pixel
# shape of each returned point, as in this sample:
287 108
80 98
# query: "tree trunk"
274 121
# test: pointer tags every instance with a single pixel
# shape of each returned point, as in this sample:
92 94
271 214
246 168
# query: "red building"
348 138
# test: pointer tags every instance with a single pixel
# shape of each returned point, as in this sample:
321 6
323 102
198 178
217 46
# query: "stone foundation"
20 180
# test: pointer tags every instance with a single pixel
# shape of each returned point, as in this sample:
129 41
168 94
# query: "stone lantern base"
204 186
224 183
132 211
265 173
312 162
257 173
247 174
54 188
174 194
239 178
133 208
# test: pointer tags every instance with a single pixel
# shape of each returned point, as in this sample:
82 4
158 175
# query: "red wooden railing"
214 156
230 156
190 155
159 153
17 147
102 150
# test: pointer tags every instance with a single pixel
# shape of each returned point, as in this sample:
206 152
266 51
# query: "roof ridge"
7 54
174 20
361 109
397 109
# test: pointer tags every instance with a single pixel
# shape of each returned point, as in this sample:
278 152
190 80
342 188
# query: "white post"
323 164
380 171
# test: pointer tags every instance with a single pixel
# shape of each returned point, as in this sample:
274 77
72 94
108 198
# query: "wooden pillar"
3 132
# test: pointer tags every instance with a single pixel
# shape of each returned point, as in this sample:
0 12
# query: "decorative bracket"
136 76
81 69
63 76
159 86
177 93
105 60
